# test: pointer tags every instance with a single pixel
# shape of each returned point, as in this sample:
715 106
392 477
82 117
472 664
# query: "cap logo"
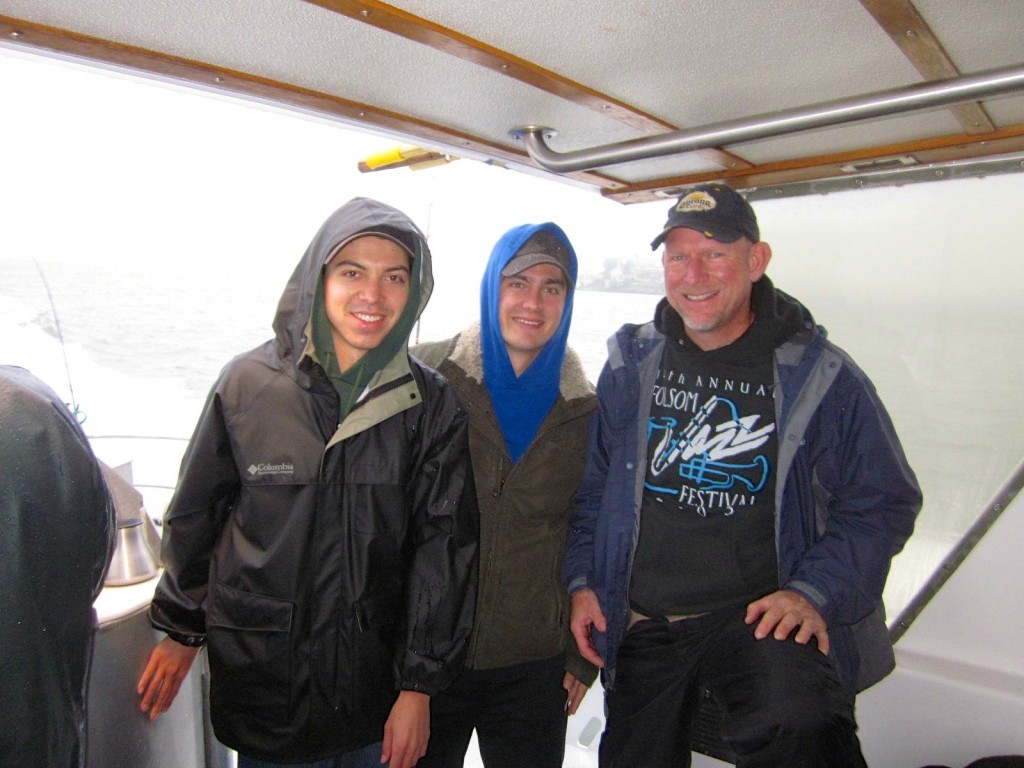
696 202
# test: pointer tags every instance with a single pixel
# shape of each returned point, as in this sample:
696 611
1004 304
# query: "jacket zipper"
401 381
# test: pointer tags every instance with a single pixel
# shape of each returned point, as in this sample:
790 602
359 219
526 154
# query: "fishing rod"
73 405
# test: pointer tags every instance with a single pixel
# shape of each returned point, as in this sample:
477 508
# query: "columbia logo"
270 469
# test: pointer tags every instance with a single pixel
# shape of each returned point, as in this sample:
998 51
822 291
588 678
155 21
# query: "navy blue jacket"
845 496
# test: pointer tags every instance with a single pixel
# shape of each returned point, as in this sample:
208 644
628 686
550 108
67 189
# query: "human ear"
760 255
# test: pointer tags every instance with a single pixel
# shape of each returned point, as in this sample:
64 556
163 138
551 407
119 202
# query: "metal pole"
897 101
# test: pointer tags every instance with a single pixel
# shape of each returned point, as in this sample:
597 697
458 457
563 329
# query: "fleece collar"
468 357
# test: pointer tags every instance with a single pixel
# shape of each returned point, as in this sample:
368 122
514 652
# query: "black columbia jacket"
326 566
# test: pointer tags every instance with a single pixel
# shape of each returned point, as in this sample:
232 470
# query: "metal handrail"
923 96
1003 498
138 437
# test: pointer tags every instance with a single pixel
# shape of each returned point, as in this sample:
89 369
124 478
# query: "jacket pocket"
249 638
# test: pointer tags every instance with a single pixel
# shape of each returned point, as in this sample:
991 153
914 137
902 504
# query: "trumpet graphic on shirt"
698 450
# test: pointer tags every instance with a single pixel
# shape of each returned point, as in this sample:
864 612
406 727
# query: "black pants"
518 713
783 702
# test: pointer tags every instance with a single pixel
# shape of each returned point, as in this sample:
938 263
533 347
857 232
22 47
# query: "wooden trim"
235 83
935 150
412 27
904 24
230 82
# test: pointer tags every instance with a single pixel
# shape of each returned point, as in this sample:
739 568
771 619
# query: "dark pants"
518 713
367 757
783 702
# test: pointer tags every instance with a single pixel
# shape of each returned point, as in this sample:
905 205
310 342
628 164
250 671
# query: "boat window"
147 231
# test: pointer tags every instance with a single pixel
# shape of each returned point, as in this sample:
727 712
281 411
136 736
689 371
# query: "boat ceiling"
457 76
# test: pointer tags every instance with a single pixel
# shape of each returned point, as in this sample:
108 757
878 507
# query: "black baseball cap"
716 210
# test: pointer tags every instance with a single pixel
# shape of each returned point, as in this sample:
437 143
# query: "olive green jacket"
522 611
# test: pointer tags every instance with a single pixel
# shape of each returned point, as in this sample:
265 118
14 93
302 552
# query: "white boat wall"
957 694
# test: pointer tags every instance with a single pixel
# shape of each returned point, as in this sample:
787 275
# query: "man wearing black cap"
529 406
744 495
322 539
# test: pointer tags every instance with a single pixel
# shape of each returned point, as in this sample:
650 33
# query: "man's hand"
407 730
586 614
575 690
168 666
783 611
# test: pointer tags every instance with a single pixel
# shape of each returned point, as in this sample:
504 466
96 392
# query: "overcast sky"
100 166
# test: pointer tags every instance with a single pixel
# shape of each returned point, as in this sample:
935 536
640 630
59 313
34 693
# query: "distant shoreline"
600 286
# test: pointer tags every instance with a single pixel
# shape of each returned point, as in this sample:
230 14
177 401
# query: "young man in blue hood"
744 495
322 539
529 406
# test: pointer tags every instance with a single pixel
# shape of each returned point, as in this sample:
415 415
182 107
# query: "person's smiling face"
366 287
709 284
530 307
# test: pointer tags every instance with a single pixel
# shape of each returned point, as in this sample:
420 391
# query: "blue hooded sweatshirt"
520 402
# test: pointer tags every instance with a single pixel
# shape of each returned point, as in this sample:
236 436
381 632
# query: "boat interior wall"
118 734
958 689
458 77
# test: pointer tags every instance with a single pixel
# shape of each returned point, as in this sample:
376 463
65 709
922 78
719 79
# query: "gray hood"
293 310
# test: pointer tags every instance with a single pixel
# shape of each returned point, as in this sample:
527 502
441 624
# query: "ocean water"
144 342
158 326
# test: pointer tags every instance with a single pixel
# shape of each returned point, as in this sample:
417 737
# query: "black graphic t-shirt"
707 531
